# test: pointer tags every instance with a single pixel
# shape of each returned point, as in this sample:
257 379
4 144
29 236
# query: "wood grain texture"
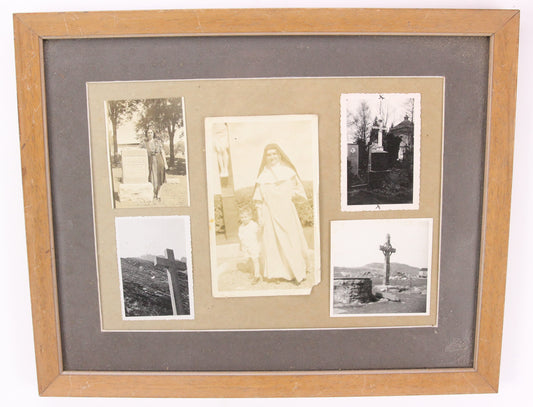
36 202
31 29
378 383
497 206
264 21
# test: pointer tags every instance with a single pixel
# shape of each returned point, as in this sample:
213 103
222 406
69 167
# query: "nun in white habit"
278 186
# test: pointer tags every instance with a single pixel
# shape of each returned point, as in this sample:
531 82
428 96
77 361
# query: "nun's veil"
282 156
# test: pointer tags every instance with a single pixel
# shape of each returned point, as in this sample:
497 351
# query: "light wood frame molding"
501 26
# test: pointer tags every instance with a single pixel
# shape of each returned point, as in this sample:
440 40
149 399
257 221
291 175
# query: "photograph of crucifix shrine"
380 143
381 266
262 177
155 267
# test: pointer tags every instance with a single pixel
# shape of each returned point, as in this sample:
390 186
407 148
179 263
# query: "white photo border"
430 272
209 148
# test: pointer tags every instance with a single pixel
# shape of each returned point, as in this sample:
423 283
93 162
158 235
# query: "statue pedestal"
378 167
231 216
230 211
135 186
379 161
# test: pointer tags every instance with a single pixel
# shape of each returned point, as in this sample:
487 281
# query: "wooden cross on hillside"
173 266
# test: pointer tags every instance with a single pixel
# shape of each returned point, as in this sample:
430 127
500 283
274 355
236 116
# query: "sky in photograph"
249 136
356 243
126 133
152 235
393 103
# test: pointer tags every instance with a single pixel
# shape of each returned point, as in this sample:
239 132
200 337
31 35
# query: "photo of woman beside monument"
147 146
263 205
157 163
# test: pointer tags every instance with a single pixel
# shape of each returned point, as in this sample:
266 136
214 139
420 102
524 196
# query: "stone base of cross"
173 266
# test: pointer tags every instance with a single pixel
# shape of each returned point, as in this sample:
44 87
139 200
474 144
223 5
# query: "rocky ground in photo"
146 289
406 293
408 300
395 188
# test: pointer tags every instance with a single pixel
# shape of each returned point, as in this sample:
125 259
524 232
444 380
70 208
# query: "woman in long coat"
285 250
157 163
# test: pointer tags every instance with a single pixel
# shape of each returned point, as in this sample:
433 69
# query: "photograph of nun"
284 246
263 199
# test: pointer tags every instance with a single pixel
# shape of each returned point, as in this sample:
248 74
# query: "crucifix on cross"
173 267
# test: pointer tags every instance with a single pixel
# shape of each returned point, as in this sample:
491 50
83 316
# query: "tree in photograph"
172 119
118 111
163 115
351 126
409 107
363 125
392 146
144 119
363 122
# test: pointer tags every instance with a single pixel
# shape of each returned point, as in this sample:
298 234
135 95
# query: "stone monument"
349 290
378 162
135 186
387 250
353 159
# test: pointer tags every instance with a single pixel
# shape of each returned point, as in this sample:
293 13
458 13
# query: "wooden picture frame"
500 26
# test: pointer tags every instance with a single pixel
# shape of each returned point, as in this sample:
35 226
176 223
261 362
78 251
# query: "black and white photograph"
147 146
380 151
381 267
262 176
154 255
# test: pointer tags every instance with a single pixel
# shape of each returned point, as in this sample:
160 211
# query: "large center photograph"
262 176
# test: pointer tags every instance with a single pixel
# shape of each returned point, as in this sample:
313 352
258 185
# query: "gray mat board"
69 64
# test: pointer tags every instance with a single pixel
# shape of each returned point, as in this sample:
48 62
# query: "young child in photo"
249 238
